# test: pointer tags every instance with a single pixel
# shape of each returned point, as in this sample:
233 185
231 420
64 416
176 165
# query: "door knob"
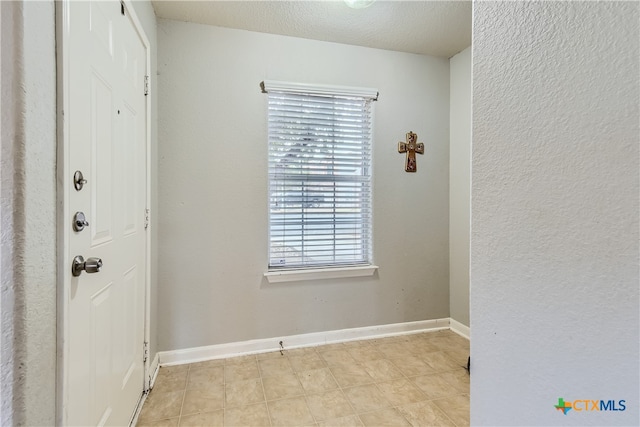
91 265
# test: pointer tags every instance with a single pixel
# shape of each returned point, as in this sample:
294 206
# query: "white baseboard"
220 351
460 329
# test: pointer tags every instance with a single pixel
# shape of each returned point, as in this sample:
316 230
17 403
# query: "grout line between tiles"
264 394
184 394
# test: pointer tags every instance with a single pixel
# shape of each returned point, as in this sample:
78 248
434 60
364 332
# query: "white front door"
106 124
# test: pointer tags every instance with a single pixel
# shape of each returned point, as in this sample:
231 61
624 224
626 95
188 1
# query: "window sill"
281 276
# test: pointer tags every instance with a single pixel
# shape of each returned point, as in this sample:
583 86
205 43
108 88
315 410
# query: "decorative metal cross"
411 147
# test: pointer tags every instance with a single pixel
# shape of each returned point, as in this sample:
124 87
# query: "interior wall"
213 188
28 197
555 211
459 184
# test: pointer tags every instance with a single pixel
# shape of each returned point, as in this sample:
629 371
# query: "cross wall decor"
411 147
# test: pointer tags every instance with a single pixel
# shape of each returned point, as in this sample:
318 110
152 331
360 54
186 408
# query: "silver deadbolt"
79 221
91 265
78 180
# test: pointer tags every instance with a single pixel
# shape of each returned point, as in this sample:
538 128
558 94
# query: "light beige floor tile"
365 353
240 359
243 393
393 338
243 416
307 361
440 334
358 343
290 412
275 367
241 371
456 408
204 419
425 414
459 356
458 379
203 399
441 362
333 346
366 398
174 369
337 357
329 405
317 380
434 386
285 385
454 342
381 369
401 392
459 416
206 364
394 350
412 366
350 376
272 355
202 378
352 421
454 402
405 339
413 337
440 343
422 346
160 406
386 417
171 422
300 351
171 378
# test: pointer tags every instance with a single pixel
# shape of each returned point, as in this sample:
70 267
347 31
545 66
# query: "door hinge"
147 214
122 7
146 85
145 351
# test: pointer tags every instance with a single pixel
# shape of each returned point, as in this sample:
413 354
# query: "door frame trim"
64 183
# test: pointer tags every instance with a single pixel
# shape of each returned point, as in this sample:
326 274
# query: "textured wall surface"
555 207
28 353
459 184
213 188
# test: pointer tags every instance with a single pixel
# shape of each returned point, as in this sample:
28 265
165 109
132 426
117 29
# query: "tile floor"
414 380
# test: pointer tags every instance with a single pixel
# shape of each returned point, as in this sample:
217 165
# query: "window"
319 175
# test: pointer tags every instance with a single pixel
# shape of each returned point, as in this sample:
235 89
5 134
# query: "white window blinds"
319 175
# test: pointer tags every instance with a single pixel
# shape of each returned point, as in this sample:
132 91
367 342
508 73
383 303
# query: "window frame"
304 271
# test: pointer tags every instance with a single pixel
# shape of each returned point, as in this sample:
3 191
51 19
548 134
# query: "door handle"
91 265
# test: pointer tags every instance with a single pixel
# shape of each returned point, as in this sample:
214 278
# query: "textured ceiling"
439 28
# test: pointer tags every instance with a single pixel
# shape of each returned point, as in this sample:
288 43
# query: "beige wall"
459 184
213 188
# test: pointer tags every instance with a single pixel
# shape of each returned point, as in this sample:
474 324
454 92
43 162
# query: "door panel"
107 142
101 330
102 127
